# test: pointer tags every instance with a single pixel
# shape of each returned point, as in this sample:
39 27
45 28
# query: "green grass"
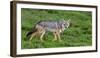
78 34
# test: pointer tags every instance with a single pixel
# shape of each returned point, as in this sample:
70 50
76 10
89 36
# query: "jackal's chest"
61 30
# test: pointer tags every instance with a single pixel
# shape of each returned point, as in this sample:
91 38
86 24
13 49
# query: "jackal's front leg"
58 34
55 36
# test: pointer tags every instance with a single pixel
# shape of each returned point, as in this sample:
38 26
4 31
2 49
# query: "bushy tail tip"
30 32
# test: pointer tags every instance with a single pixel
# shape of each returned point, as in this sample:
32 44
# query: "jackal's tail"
31 32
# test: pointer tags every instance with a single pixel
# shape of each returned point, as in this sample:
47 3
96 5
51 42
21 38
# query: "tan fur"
41 32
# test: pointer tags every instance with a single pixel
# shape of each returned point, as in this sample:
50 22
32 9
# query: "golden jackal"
56 27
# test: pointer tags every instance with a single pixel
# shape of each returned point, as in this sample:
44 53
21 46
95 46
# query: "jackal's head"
67 23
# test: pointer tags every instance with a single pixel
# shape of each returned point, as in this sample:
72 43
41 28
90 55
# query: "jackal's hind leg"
33 35
42 35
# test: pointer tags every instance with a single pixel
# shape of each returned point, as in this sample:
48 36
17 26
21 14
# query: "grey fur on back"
52 25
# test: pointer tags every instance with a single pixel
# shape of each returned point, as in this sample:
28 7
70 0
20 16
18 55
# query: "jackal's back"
51 25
